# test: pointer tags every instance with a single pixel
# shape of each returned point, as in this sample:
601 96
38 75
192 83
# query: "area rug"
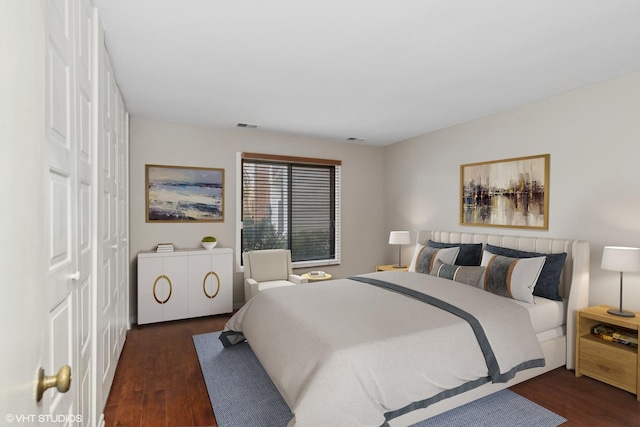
242 395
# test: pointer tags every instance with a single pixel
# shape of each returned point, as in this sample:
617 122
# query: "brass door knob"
61 381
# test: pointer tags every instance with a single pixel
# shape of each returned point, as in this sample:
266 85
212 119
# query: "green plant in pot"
209 242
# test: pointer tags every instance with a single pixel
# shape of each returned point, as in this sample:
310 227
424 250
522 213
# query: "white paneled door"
64 298
86 197
66 214
112 296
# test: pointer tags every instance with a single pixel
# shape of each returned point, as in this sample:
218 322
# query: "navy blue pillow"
470 253
548 284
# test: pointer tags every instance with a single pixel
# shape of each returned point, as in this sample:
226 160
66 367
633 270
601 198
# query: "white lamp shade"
399 238
619 258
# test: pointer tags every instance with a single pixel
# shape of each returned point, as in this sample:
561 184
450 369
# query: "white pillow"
513 278
446 255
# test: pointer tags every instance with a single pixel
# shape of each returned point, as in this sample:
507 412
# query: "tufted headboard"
574 279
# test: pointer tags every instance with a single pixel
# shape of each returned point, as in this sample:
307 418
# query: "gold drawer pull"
204 284
162 276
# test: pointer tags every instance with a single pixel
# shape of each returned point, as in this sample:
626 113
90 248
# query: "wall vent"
247 125
354 139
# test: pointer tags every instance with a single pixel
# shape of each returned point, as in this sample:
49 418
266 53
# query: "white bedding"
345 353
545 314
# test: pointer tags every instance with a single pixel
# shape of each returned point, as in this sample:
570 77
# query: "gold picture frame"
184 194
510 193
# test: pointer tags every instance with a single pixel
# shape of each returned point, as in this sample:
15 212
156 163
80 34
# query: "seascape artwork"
506 193
184 194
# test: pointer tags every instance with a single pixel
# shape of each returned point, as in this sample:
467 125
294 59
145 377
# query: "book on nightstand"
616 334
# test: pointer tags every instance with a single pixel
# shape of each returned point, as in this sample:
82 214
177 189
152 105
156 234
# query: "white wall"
156 142
593 137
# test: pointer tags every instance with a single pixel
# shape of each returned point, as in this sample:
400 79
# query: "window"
291 203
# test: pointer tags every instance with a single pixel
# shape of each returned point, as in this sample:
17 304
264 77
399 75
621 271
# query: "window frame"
295 161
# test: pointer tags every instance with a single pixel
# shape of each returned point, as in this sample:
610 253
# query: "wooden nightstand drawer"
608 362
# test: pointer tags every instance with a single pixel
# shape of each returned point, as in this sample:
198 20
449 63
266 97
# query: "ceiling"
377 70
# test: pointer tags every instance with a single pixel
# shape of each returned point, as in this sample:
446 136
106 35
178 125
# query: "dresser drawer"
610 363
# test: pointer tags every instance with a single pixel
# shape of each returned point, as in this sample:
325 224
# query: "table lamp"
619 258
399 238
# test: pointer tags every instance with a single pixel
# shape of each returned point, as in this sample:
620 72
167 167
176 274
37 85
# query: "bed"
394 348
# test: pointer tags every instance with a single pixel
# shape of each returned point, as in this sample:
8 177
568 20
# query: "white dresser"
184 283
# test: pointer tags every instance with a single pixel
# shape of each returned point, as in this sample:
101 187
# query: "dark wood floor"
158 383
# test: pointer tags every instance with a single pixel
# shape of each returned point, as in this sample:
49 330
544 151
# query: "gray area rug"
242 395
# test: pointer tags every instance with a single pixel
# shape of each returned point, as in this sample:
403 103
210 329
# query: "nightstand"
610 362
390 267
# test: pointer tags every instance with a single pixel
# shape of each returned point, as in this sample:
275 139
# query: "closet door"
86 197
106 228
122 231
68 209
112 209
57 202
24 167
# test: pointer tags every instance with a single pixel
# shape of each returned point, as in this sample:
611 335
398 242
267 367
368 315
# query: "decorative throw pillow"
470 253
467 274
416 252
424 257
548 285
513 278
428 256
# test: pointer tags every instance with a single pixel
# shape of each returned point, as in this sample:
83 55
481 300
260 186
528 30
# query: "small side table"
390 267
610 362
326 276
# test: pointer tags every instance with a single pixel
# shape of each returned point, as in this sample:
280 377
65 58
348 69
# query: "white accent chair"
266 269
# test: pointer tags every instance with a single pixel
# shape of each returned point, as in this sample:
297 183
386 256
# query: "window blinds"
291 203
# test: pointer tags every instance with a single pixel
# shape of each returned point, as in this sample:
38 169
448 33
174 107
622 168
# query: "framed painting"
184 194
506 193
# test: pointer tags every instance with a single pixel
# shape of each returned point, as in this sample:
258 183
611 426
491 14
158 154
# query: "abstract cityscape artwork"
506 193
184 194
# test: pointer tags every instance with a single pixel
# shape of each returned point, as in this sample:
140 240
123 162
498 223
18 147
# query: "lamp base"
399 266
620 313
